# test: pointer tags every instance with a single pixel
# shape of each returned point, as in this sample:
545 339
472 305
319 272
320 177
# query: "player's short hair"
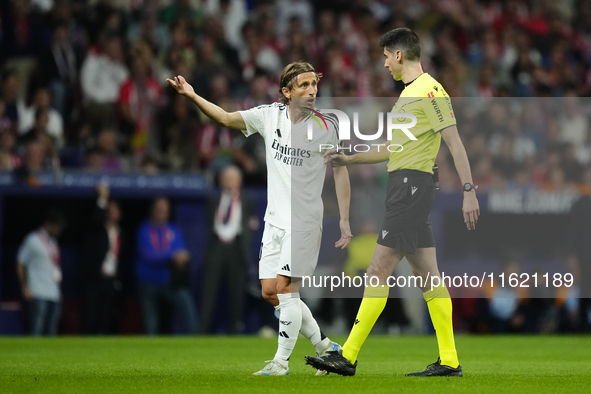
402 39
290 72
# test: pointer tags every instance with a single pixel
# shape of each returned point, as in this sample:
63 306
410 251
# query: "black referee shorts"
407 223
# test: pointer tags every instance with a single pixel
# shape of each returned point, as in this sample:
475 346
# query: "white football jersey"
295 166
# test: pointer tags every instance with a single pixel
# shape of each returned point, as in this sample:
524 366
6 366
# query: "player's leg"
269 291
290 319
289 272
383 263
311 330
304 257
269 262
424 264
399 235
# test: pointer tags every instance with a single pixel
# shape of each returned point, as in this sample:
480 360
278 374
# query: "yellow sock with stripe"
440 309
372 305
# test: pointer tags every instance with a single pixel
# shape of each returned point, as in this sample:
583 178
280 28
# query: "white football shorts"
288 253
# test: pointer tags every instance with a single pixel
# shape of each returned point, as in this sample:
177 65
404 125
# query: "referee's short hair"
402 39
289 75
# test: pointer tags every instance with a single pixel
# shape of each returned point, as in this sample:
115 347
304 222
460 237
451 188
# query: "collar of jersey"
287 114
407 84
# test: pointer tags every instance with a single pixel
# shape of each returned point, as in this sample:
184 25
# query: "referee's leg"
382 264
424 264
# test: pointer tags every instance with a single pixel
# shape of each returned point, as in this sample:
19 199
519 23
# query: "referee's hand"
335 158
470 209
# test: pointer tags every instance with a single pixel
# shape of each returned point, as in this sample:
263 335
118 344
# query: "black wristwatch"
469 186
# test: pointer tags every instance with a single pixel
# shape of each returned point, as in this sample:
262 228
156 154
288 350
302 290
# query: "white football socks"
290 322
311 330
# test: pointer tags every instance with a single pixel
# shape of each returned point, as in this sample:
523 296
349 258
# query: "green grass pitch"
503 364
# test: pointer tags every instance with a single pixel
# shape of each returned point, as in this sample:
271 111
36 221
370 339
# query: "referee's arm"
470 207
378 154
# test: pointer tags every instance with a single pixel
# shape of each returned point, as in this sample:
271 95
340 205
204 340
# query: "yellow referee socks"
440 309
372 305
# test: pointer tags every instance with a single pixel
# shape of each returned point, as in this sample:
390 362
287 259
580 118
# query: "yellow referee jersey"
426 99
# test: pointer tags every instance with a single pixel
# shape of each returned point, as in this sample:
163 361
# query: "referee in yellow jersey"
406 231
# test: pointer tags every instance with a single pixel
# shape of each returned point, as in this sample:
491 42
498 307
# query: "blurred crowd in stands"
83 82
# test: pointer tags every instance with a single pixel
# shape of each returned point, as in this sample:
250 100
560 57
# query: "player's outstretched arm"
343 189
232 120
378 154
470 207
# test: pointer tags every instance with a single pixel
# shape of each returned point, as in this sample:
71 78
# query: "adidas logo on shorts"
286 268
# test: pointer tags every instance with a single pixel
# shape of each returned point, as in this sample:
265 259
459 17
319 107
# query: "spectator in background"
501 308
231 220
13 102
145 49
161 255
573 170
61 62
148 28
40 275
574 123
53 125
181 47
20 29
255 54
107 145
21 38
101 76
94 160
101 266
249 153
39 126
35 160
180 124
5 122
97 18
50 157
139 98
231 14
149 166
483 175
183 9
9 158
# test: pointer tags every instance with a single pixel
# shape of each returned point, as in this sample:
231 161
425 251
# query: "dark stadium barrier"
528 225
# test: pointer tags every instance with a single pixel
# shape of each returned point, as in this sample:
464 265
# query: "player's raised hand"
345 235
335 158
471 210
181 85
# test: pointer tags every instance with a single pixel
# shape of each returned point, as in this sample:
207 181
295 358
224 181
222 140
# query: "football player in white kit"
294 132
